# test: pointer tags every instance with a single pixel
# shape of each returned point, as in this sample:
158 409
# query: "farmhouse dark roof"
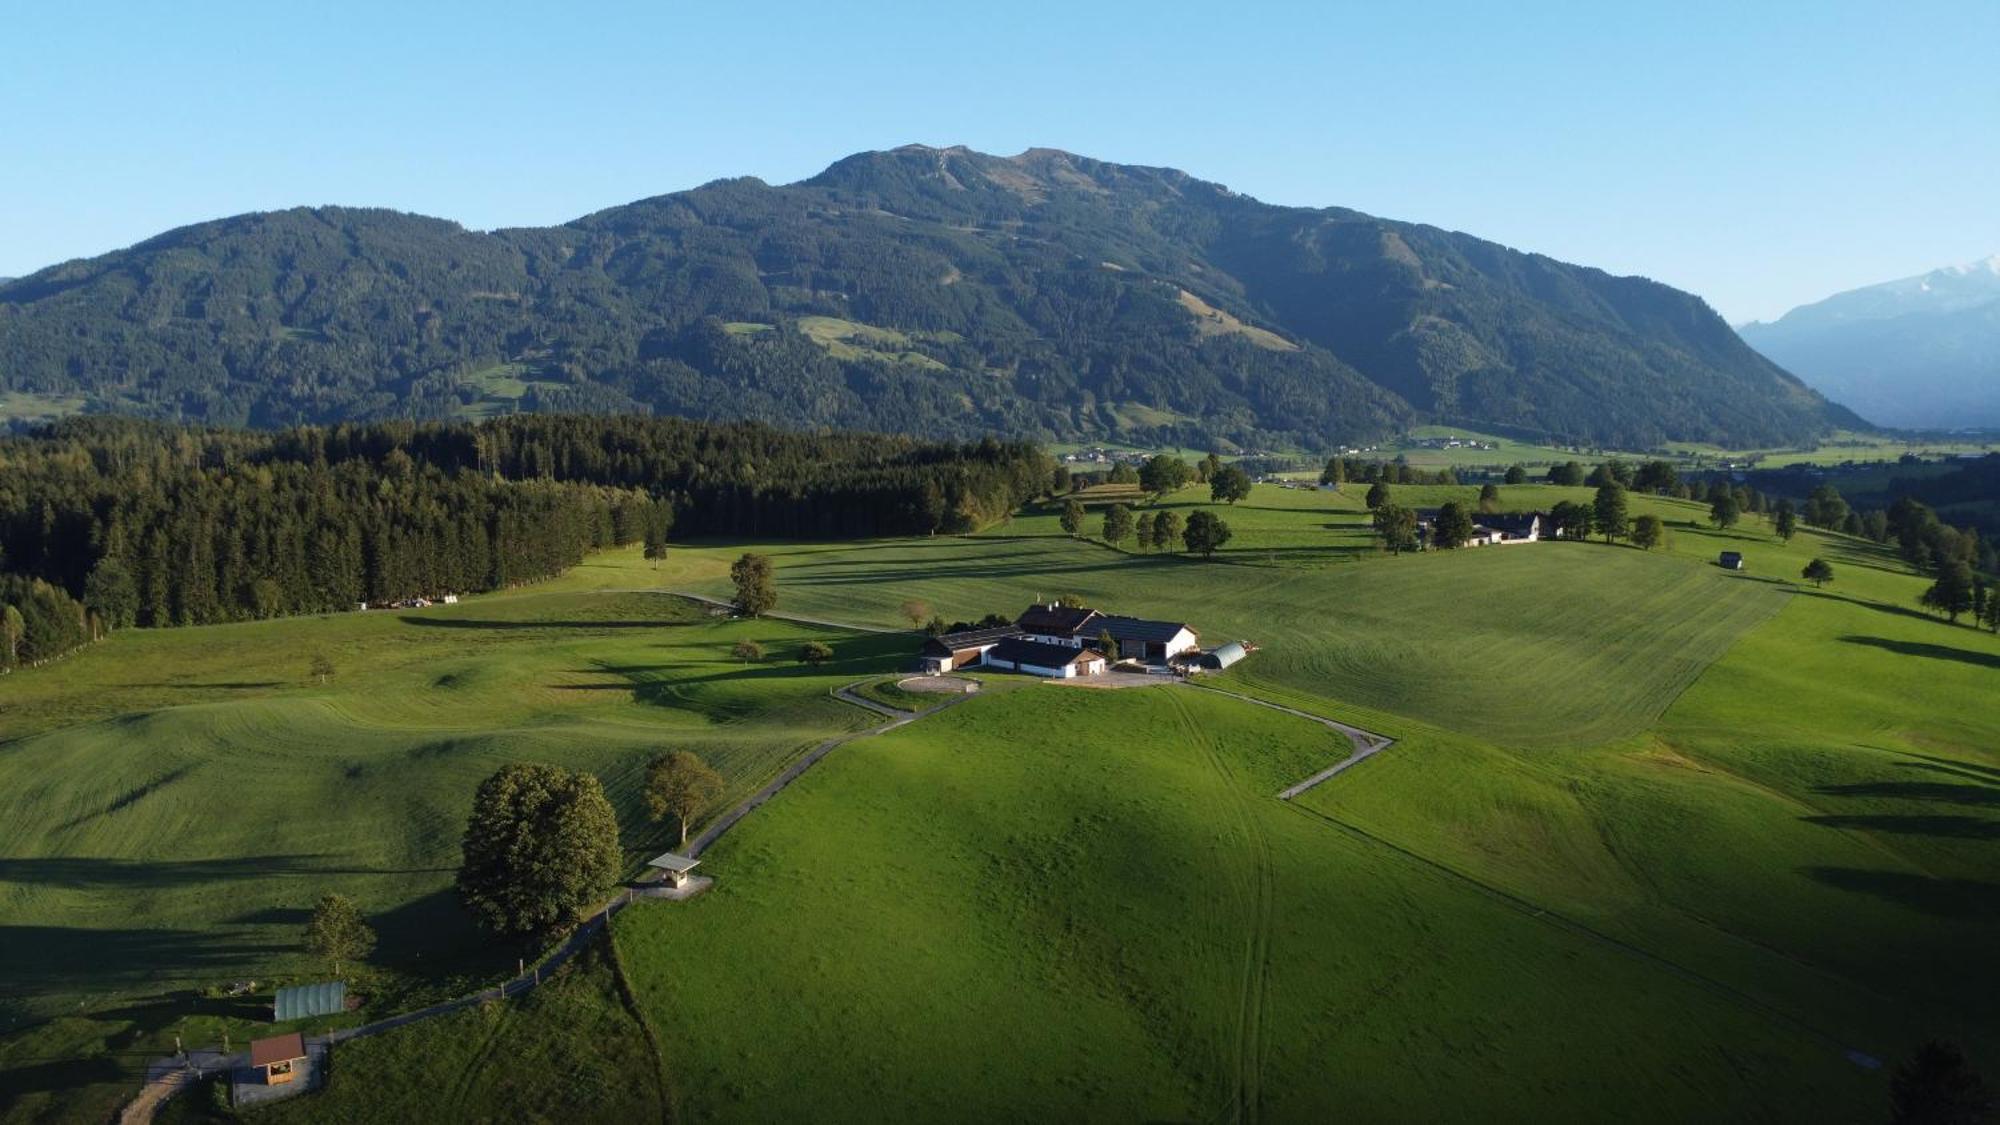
1510 523
1054 620
277 1049
947 643
1140 629
1014 650
1729 556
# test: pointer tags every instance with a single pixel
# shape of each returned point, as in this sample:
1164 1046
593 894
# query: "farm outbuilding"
1730 560
952 651
673 868
1038 659
1218 659
328 998
278 1057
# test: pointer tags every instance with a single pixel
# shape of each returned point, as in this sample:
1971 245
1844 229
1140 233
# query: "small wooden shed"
1730 560
673 868
278 1057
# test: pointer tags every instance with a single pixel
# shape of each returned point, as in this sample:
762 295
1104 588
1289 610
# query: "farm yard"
1757 813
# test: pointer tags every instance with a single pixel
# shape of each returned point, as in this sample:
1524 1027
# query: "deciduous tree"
1489 498
1648 532
1166 530
1951 594
337 933
1378 495
1452 527
815 652
1785 520
1117 524
916 611
1516 475
1206 533
1819 572
541 849
1228 484
1397 526
679 784
1071 519
1724 510
756 585
747 651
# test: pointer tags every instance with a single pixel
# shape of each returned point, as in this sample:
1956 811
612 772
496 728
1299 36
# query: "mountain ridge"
1920 351
935 290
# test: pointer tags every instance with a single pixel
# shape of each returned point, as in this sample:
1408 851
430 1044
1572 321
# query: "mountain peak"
1984 265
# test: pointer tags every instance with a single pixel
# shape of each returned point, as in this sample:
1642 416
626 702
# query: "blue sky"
1761 154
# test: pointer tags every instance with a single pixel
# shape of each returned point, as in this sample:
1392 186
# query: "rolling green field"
177 799
1656 840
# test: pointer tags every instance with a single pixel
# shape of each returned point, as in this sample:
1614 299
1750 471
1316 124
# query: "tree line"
109 523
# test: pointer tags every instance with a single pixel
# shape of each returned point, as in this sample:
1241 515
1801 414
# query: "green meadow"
1656 841
176 800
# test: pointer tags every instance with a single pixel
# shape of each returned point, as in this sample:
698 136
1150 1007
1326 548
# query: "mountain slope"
933 291
1921 352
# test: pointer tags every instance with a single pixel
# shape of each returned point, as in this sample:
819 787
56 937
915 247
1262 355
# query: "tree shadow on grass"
1961 899
1920 648
1954 827
1945 792
515 626
1885 607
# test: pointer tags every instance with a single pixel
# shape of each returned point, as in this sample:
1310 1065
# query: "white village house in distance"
1062 642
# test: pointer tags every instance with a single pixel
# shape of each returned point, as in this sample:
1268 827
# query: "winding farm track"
1366 743
167 1077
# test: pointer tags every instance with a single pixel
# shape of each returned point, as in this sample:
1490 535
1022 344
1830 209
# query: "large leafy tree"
1072 517
1819 572
1397 526
1164 473
540 849
1117 524
1951 594
1648 532
1206 533
1452 527
1228 484
756 585
337 933
679 784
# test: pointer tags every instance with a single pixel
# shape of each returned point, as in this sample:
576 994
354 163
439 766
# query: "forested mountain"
929 291
1923 352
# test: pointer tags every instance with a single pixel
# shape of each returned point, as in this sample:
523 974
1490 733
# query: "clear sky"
1761 154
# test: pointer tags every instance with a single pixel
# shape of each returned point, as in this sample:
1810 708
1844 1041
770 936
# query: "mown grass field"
175 800
1123 923
1656 840
1600 638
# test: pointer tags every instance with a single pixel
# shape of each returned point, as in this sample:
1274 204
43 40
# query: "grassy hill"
180 798
1656 840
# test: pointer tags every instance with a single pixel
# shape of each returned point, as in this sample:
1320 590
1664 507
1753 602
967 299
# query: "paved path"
166 1077
792 772
1366 743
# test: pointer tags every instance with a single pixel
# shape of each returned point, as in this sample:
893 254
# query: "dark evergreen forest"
108 523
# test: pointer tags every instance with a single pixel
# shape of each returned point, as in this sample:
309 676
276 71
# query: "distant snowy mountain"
1923 352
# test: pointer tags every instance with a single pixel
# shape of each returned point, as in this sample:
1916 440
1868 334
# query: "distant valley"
938 292
1920 353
